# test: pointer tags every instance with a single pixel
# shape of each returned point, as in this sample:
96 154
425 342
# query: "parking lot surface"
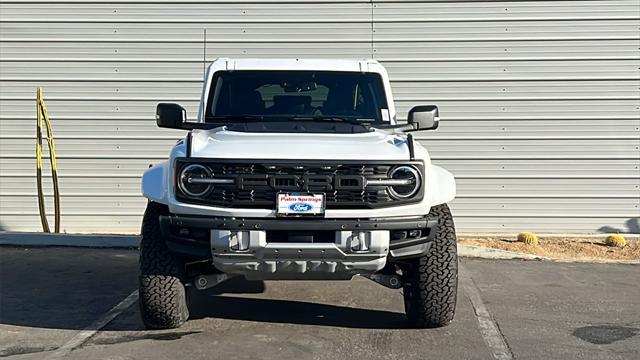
54 299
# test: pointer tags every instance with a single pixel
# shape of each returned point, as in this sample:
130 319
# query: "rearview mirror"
301 86
424 117
170 116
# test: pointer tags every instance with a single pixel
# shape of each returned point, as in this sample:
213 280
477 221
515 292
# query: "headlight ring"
405 191
192 188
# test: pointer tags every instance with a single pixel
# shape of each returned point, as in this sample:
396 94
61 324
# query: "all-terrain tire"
163 302
432 280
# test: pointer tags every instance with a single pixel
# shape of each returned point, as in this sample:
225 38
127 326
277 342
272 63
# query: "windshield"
297 95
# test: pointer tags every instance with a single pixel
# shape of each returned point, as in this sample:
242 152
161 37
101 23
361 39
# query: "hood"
222 143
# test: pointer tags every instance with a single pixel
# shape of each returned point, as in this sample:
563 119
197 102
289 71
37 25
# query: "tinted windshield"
286 95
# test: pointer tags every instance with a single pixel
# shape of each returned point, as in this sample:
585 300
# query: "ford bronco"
297 170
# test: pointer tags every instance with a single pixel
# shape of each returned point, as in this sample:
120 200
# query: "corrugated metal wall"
540 100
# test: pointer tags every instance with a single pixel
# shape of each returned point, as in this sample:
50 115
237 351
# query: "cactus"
616 240
528 238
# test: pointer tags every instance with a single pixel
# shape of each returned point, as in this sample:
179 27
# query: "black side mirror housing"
172 116
424 117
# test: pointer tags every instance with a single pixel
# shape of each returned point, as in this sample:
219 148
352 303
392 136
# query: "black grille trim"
258 181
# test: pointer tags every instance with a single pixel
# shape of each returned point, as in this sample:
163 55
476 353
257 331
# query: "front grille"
256 184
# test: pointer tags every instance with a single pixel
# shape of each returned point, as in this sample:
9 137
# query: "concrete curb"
72 240
490 253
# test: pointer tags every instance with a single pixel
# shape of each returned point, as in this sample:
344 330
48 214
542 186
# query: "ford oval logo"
300 207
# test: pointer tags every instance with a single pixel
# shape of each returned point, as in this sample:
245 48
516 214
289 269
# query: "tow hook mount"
387 280
204 282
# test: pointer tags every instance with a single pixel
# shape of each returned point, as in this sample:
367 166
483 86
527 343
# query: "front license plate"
297 204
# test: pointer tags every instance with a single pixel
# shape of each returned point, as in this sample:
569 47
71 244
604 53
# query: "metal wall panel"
539 99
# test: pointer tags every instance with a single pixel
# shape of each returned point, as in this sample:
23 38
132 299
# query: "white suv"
297 169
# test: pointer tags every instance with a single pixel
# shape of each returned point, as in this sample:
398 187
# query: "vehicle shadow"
235 285
209 304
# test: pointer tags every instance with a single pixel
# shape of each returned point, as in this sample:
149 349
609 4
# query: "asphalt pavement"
56 302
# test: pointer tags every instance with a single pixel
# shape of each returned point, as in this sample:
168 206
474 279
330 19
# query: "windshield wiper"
241 117
335 119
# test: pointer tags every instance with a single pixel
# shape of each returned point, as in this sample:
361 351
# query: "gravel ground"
567 249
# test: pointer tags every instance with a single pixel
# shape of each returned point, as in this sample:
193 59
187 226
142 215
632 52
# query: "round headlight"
189 183
408 182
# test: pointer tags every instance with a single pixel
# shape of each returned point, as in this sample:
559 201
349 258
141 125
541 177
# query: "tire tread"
163 303
431 290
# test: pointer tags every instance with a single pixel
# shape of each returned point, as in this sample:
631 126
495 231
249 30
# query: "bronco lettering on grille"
301 183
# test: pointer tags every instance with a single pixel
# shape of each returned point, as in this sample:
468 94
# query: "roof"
364 65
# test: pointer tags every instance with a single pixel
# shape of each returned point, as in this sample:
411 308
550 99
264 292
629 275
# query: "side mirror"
424 117
170 116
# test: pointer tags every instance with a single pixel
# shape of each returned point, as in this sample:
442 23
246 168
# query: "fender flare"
441 185
154 184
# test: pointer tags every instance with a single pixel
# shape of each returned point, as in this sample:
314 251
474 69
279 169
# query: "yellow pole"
41 207
43 115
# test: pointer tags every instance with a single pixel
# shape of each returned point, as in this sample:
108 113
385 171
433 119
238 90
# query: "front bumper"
243 246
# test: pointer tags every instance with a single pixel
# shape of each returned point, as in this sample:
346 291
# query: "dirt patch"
570 249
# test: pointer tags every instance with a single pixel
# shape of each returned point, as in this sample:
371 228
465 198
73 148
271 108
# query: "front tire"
163 301
431 281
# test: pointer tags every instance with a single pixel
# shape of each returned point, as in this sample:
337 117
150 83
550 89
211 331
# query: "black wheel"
163 302
431 281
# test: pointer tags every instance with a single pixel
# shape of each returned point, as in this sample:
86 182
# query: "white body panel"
158 181
220 143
